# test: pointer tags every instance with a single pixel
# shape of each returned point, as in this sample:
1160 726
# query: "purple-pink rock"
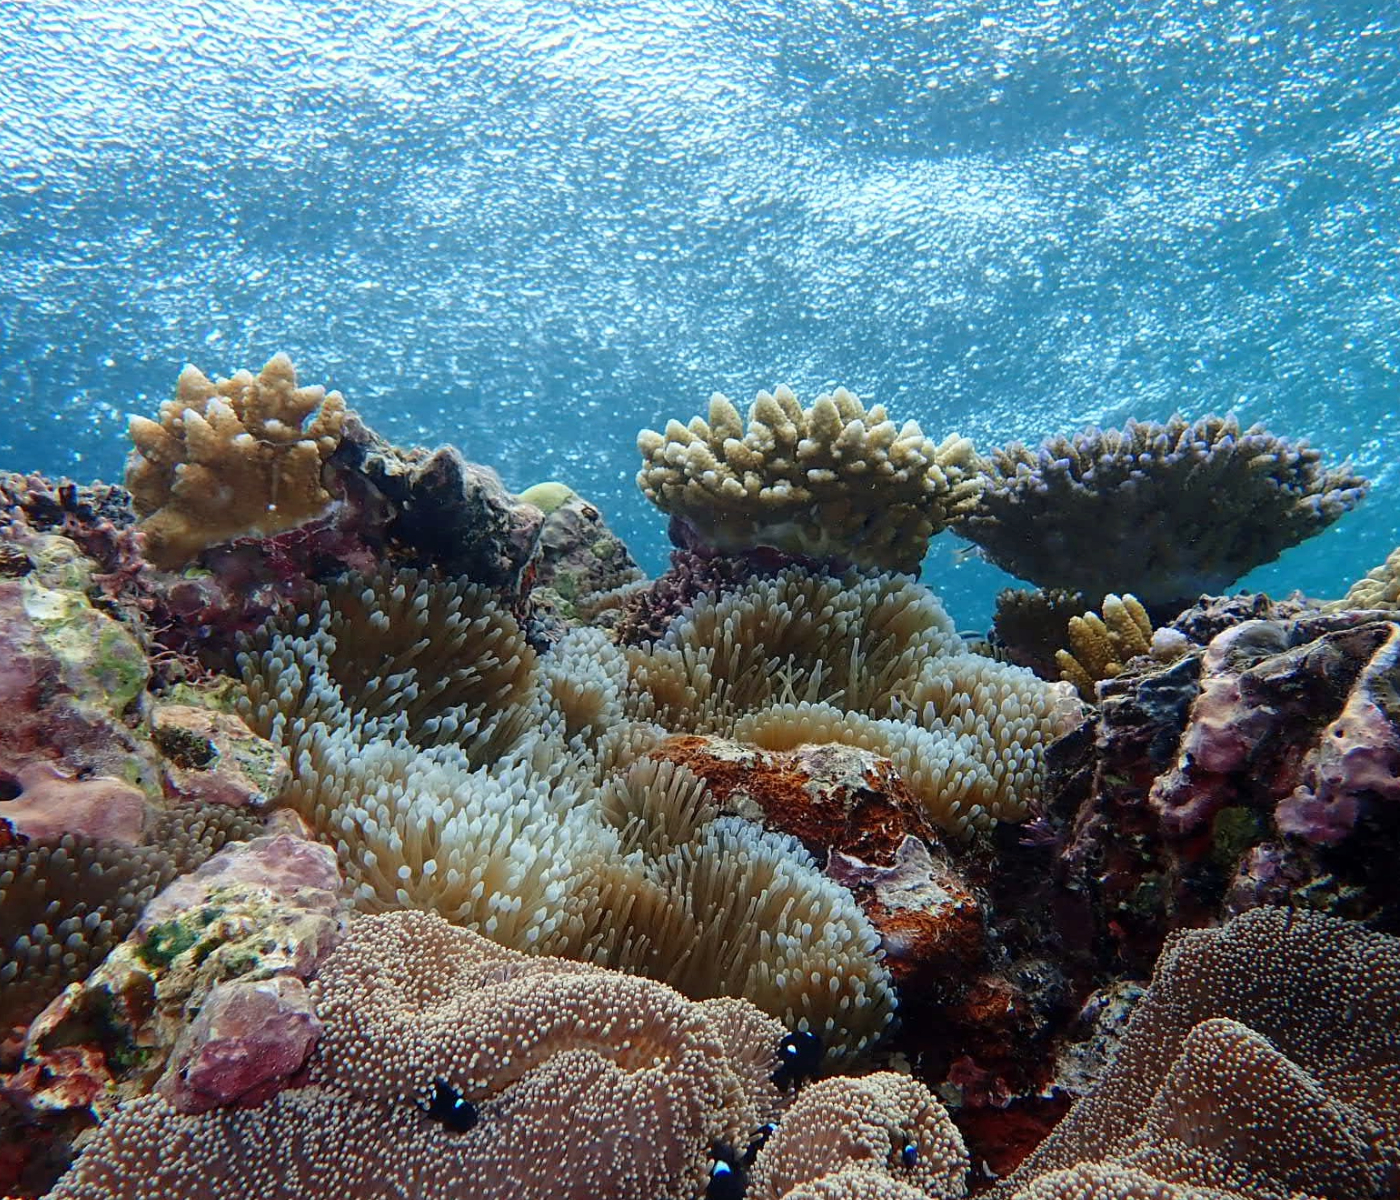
250 1038
283 865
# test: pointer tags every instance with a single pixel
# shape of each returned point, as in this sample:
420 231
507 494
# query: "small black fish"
449 1106
726 1180
799 1059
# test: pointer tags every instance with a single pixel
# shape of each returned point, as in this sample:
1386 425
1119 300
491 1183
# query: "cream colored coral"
455 772
1100 645
882 1124
833 481
1378 588
586 1083
232 458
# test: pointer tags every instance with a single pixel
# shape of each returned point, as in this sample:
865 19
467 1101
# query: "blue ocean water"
532 228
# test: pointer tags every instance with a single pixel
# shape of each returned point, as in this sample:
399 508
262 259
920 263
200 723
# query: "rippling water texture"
532 228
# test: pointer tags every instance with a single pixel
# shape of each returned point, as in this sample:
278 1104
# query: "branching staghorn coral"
833 481
1100 645
231 458
497 813
449 1066
1166 511
1262 1064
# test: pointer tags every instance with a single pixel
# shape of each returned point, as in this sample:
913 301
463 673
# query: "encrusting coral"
449 1066
1262 1064
231 458
1163 510
1100 645
834 481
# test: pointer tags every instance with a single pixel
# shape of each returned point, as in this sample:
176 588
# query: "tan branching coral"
1378 588
881 1125
1100 645
237 457
562 1080
1261 1064
1164 510
832 481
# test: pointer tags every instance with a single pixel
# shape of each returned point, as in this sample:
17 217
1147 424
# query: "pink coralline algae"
1264 688
1261 769
250 1037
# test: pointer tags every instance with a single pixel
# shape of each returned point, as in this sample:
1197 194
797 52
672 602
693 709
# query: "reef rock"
1263 768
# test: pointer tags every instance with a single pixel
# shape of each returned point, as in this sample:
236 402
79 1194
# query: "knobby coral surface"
1166 511
1262 1063
1378 588
832 481
448 1066
864 1135
240 456
1101 644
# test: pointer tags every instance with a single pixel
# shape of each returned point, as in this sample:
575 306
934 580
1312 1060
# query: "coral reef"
834 481
444 1063
1101 644
1378 588
1166 511
613 883
1262 1064
227 459
1260 769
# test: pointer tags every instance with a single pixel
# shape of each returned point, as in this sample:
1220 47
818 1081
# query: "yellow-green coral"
231 458
1100 645
832 481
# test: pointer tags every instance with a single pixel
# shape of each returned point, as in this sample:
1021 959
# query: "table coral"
243 455
1163 510
1262 1064
561 1079
834 481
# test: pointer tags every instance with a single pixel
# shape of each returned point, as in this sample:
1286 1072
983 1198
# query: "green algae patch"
101 662
548 496
166 942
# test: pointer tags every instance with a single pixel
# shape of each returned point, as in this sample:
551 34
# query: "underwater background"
533 228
